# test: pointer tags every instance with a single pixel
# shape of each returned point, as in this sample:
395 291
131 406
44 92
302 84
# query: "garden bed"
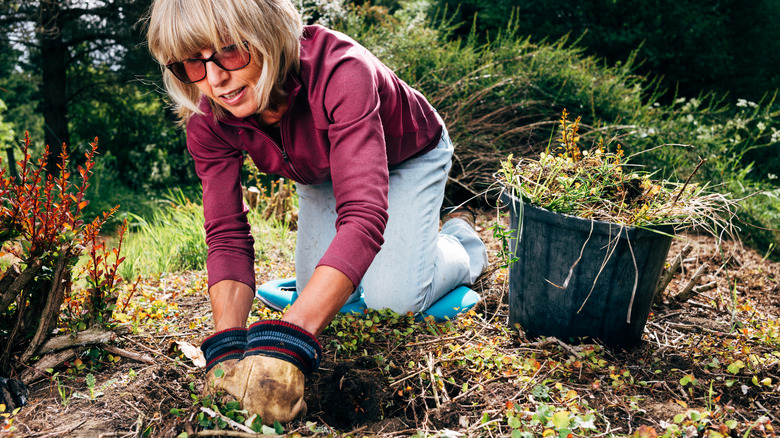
711 363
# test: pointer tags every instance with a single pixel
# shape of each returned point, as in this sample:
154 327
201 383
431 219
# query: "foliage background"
640 74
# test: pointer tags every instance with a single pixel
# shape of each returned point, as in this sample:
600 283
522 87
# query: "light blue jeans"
418 264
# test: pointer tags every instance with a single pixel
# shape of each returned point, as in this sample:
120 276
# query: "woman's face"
232 90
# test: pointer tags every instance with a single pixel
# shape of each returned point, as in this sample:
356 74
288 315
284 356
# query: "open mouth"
233 94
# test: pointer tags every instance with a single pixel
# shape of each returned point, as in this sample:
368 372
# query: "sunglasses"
230 58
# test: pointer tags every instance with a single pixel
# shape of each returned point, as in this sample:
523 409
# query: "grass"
173 238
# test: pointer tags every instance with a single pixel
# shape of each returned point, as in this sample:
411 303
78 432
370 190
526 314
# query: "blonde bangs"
178 29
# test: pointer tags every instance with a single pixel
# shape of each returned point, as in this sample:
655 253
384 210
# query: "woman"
370 157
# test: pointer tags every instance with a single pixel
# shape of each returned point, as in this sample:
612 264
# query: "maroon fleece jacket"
349 118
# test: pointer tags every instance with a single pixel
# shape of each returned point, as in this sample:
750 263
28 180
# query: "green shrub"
502 96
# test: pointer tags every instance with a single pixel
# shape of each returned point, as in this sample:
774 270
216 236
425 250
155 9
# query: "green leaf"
278 428
265 430
219 372
561 420
183 435
514 423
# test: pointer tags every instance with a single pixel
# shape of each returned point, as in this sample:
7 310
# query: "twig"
668 274
407 377
682 189
159 353
129 354
433 341
355 431
433 381
227 420
688 292
63 432
705 287
232 433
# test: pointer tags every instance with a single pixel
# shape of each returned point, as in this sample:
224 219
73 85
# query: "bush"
502 97
42 235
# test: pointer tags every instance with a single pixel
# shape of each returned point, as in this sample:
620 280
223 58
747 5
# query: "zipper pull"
285 157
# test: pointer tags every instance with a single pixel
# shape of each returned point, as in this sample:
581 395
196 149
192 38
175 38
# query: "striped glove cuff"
224 345
284 341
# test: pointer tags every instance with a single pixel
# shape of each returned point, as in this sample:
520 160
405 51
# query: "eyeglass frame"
211 58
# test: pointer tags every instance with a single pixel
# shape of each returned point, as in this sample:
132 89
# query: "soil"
359 393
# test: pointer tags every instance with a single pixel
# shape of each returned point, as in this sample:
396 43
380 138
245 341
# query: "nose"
215 75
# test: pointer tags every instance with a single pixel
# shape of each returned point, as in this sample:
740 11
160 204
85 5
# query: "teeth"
233 94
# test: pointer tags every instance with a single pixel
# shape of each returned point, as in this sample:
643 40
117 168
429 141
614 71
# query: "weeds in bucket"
600 184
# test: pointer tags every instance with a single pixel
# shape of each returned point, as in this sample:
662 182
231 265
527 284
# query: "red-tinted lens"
191 70
231 58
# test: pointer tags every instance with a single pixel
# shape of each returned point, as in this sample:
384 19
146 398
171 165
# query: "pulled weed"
600 185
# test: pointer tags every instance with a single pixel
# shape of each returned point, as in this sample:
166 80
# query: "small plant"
600 185
64 392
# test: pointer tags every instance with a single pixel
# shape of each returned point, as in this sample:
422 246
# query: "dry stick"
433 341
48 361
92 336
705 287
63 432
668 274
433 381
158 353
231 433
227 420
129 354
688 292
682 190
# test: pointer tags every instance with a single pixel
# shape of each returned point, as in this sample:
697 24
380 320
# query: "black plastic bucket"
612 274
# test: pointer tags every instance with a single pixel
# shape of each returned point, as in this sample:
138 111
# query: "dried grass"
602 185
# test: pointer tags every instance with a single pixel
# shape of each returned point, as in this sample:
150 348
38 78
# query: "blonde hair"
272 29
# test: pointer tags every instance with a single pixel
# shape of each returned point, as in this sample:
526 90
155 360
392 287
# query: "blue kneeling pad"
278 294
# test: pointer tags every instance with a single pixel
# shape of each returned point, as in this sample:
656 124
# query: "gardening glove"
278 357
222 351
13 394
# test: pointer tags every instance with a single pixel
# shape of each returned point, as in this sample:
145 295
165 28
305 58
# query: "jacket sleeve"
228 234
358 164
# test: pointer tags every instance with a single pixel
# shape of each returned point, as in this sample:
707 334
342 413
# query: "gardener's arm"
324 294
316 306
231 302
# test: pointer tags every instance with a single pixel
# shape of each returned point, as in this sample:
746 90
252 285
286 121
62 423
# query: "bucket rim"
582 224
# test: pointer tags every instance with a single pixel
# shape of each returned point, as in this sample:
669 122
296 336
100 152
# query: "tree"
60 38
695 46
